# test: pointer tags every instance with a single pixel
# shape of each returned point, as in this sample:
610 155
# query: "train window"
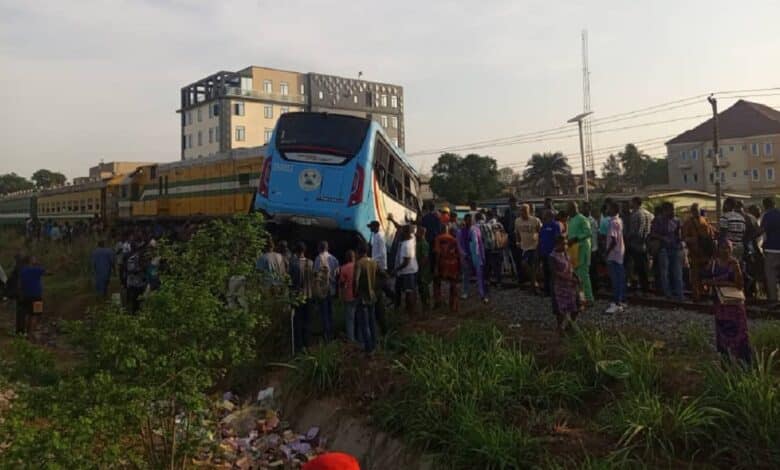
124 192
166 184
160 186
153 172
243 179
89 204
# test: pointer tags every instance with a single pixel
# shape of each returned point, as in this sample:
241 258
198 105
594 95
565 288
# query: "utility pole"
716 155
578 119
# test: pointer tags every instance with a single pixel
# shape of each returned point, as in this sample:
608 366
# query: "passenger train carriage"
16 208
216 186
332 174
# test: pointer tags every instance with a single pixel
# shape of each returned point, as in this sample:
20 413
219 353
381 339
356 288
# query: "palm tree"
547 173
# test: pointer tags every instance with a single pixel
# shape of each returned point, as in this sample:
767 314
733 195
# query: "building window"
211 135
303 89
238 108
216 110
395 141
284 89
200 137
754 149
695 177
383 121
320 95
394 122
685 177
383 100
268 111
712 178
268 86
745 173
770 174
722 176
694 154
284 110
240 134
767 150
683 156
211 112
756 176
731 148
200 116
394 101
734 174
354 99
189 141
267 135
188 118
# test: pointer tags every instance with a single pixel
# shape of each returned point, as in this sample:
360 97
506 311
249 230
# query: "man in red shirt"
447 267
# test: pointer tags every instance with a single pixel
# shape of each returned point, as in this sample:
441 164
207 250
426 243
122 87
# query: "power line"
560 131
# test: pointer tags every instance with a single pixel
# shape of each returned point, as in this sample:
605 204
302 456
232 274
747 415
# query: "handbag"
730 295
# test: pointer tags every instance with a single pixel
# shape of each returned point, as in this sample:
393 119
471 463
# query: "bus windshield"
321 133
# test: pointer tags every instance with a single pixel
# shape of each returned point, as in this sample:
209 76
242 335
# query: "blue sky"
87 80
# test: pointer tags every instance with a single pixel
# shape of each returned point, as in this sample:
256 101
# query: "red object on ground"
333 461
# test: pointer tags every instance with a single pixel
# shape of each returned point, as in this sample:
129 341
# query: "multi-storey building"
230 110
749 147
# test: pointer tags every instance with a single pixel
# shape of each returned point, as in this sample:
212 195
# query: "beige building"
229 110
110 169
749 147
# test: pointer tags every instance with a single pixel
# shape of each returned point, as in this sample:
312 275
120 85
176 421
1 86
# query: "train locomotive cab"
326 176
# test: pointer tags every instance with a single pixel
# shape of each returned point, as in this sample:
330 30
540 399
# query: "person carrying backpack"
495 239
135 278
326 273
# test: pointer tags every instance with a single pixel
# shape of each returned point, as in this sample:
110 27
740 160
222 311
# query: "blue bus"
326 176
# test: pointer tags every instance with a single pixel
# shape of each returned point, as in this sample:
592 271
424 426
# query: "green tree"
657 172
459 179
611 171
46 178
11 182
547 173
634 163
139 398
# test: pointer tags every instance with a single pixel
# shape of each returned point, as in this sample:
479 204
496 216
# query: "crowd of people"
566 253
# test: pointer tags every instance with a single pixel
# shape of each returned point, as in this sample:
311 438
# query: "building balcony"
768 159
262 95
685 164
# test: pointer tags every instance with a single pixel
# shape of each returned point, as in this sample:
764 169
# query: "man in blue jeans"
616 250
327 264
668 231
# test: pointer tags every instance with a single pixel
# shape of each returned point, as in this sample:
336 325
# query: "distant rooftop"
742 119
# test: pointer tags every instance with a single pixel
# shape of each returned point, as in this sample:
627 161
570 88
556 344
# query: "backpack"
321 284
135 273
500 236
488 241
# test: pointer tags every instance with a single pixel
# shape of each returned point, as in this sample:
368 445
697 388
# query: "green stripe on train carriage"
210 192
218 179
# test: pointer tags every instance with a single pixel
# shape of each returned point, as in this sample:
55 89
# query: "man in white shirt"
378 245
406 268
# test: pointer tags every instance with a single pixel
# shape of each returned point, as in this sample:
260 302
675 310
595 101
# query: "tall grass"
750 397
468 398
647 422
696 337
765 336
319 369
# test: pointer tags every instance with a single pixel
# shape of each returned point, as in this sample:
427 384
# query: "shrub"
697 338
765 336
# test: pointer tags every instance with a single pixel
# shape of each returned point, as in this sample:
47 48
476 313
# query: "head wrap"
333 461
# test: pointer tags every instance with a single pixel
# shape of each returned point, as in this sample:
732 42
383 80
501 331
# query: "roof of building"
742 119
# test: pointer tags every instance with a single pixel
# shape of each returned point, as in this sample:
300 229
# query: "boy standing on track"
301 278
616 250
407 268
